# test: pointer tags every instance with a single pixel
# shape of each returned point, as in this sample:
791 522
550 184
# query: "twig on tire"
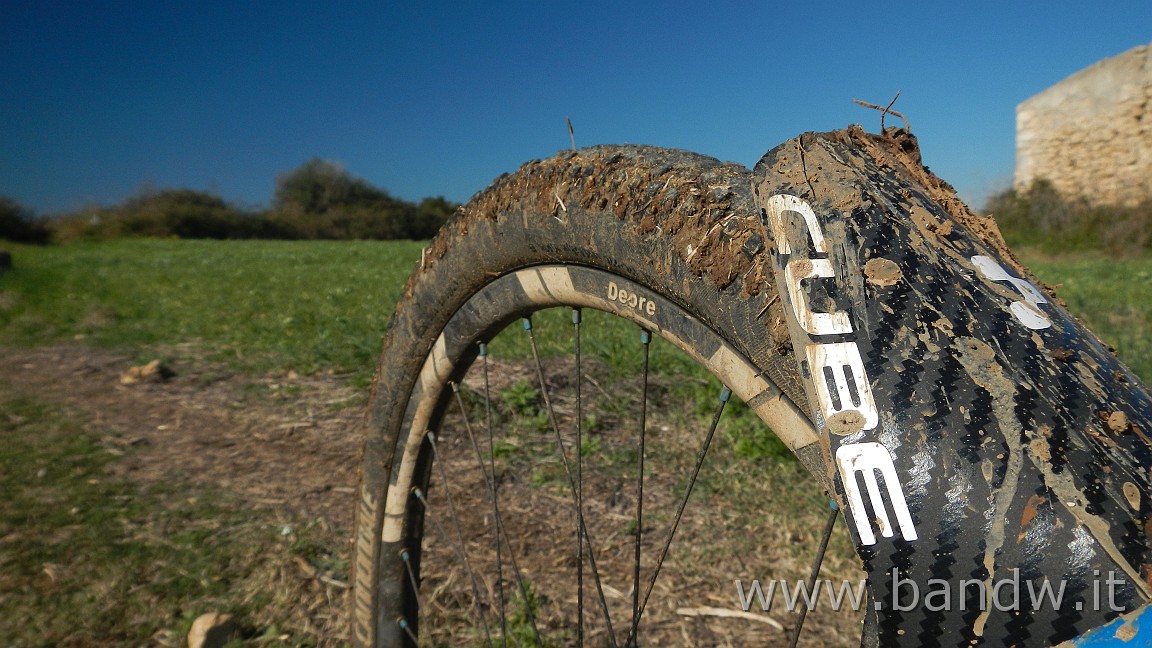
886 110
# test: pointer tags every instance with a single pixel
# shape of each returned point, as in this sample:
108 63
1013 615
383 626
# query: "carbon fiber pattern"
1019 451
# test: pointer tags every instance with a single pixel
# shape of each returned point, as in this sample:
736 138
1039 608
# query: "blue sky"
100 100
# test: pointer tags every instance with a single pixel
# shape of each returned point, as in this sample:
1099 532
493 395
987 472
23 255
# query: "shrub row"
318 200
182 213
1041 217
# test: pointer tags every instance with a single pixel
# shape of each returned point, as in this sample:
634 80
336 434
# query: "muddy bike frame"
972 430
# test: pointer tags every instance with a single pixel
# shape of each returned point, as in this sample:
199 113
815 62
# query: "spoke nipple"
419 495
725 394
483 349
645 337
455 387
404 555
527 324
407 630
575 315
431 437
832 505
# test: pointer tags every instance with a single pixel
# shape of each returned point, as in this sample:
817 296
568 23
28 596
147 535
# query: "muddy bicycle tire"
677 232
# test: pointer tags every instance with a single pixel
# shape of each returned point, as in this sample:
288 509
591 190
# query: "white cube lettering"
865 460
840 383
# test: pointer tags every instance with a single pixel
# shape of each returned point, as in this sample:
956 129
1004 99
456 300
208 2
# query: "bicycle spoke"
828 526
645 339
579 482
725 394
407 558
501 532
490 477
460 536
582 529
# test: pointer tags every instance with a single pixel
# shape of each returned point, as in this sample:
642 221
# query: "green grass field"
72 540
312 306
257 305
1112 296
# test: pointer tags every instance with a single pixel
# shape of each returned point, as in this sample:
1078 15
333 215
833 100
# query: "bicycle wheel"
977 438
668 240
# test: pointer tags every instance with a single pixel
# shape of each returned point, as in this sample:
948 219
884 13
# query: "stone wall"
1091 134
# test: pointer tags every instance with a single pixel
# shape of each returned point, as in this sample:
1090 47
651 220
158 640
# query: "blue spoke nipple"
575 315
645 337
527 324
725 394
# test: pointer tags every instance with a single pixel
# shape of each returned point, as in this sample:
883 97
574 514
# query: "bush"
20 225
320 200
1040 217
181 213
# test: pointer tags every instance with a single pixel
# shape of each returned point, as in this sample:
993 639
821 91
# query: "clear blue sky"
101 99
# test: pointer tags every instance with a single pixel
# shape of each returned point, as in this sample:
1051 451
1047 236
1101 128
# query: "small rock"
212 630
154 371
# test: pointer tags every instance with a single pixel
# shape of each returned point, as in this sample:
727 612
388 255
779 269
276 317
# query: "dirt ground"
281 441
282 446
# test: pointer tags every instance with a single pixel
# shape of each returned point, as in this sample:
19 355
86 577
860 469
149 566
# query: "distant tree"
317 200
319 186
20 224
320 199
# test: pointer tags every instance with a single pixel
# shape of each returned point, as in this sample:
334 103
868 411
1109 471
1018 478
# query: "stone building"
1091 134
